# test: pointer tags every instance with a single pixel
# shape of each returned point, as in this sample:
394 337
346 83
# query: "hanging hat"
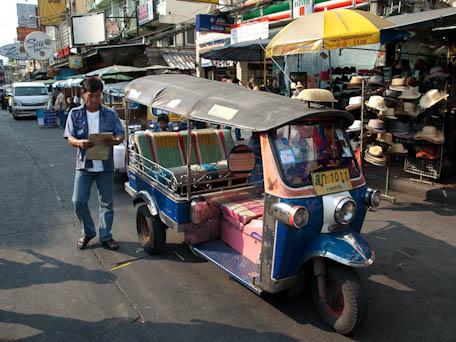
299 85
354 103
376 102
398 148
398 84
386 138
376 126
411 93
431 134
355 82
324 76
437 72
411 81
431 98
316 95
427 152
376 80
391 93
355 127
388 114
374 155
401 129
410 109
420 64
292 85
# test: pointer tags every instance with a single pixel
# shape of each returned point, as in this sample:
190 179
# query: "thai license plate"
328 182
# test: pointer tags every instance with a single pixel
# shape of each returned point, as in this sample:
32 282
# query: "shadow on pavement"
438 209
48 270
410 286
133 250
55 328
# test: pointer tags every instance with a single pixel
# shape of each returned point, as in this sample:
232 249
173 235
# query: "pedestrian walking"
91 118
60 107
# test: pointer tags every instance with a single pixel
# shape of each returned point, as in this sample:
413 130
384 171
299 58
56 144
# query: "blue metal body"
178 211
292 247
295 246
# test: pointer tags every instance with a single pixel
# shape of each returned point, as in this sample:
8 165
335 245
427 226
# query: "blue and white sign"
213 23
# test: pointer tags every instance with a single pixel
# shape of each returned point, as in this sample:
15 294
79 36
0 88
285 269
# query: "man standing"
91 118
60 106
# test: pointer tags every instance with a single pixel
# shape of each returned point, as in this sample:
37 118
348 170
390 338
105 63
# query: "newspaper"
100 151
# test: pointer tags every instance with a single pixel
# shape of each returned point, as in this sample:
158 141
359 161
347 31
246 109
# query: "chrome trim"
132 192
339 207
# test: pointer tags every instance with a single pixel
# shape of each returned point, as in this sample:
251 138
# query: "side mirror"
241 161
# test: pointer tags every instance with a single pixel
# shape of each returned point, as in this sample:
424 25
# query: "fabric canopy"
327 30
222 103
113 69
245 51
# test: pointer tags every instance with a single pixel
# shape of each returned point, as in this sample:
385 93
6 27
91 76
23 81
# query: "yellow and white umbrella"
327 30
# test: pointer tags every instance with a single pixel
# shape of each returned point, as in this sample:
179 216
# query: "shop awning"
424 21
179 59
245 51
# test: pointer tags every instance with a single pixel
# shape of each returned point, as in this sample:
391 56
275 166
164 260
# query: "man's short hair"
92 84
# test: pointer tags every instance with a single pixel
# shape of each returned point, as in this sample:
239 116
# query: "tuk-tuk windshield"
301 149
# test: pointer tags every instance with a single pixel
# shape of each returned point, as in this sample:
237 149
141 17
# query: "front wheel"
151 231
345 307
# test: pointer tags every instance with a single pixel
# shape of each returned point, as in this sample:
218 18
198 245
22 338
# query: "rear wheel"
345 307
151 231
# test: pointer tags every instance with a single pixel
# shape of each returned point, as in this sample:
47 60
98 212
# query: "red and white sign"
301 8
333 4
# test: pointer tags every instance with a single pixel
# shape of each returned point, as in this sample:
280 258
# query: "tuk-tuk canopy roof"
222 103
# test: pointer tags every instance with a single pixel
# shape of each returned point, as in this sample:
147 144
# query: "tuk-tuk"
286 209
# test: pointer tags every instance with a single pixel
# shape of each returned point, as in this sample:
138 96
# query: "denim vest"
77 127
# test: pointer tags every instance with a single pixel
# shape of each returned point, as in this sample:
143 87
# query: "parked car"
28 97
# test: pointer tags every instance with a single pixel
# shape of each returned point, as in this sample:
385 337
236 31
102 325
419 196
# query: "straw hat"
299 85
398 84
391 93
376 102
388 114
431 98
411 93
410 109
292 85
437 72
374 155
431 134
316 95
386 138
355 82
354 103
355 127
376 80
398 148
376 126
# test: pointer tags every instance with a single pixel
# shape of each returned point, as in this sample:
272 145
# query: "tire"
151 231
346 308
14 115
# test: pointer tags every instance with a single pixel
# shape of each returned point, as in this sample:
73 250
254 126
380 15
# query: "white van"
28 97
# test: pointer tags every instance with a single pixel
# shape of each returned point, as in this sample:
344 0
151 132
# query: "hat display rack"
375 158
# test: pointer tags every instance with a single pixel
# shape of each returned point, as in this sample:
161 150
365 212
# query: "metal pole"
127 118
362 122
189 147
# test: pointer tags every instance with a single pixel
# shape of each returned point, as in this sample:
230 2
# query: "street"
51 291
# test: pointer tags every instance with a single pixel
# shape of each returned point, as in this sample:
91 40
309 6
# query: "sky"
8 20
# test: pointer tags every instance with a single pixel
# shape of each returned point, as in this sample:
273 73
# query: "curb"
426 192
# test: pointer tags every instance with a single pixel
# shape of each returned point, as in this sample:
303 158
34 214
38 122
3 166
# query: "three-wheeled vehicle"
286 208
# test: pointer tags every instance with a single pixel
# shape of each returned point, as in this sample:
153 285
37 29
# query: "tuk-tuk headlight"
345 211
372 197
291 215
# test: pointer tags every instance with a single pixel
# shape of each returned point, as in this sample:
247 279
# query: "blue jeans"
62 117
83 181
